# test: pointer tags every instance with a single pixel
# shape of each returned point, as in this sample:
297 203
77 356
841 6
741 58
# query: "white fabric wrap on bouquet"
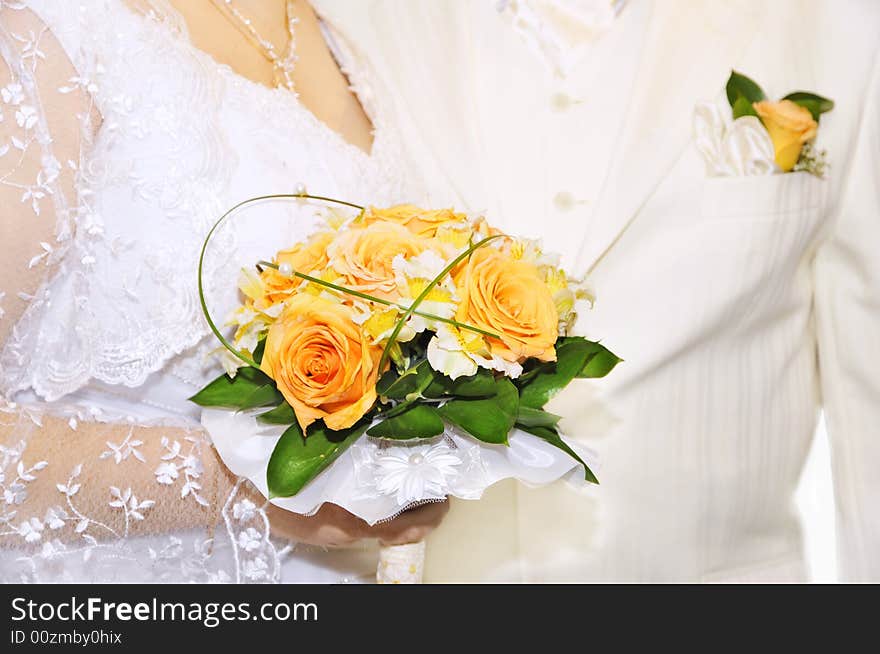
378 479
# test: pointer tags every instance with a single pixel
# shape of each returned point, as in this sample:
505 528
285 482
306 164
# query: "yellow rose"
421 222
363 257
509 298
307 258
790 126
321 362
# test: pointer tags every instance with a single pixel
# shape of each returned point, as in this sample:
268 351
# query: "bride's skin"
323 90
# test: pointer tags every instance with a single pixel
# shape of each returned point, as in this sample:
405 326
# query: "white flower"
51 548
229 361
412 276
255 569
458 352
220 577
166 473
447 353
12 94
193 465
26 116
416 473
31 530
14 494
55 517
249 539
244 510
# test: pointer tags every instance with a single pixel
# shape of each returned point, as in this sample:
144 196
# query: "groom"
743 302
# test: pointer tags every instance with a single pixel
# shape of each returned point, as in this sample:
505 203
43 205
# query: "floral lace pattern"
182 138
168 139
71 541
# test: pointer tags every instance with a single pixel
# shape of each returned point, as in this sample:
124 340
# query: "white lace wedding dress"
115 334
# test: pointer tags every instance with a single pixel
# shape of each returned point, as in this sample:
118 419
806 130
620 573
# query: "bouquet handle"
401 564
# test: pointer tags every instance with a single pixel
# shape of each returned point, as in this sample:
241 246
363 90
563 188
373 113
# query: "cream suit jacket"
741 305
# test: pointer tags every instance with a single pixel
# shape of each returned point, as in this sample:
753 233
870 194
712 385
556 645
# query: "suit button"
561 102
564 201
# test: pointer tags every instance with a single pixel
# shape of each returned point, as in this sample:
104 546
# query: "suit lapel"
689 51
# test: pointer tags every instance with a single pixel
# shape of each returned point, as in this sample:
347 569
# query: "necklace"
282 65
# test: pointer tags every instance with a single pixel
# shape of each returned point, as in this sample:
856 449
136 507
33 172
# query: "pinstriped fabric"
718 293
709 436
847 279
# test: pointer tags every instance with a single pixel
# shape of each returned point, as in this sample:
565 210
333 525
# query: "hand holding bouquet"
398 357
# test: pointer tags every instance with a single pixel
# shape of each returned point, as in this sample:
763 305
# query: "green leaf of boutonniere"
815 104
249 389
418 421
281 415
554 439
295 461
489 420
743 107
742 93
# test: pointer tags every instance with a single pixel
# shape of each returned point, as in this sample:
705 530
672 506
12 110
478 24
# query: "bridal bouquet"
395 357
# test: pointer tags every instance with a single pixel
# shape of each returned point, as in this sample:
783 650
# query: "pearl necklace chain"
283 65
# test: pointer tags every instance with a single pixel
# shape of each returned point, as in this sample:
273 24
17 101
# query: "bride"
126 128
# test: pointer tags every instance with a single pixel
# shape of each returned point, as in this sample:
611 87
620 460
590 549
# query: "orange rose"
321 362
508 297
307 258
363 257
790 126
421 222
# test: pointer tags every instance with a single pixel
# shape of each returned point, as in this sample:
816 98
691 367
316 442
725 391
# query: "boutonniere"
763 137
791 123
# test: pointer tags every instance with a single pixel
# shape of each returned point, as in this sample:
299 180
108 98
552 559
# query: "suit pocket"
792 194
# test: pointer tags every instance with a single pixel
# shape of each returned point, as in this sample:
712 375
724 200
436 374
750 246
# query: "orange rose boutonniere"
792 122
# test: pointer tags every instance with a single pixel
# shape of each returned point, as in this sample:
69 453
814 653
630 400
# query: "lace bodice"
181 139
168 139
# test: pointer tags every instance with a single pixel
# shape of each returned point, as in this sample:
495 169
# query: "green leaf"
489 420
815 104
250 388
743 107
600 361
281 415
481 384
258 351
265 395
552 377
740 86
418 421
554 439
296 460
412 381
529 417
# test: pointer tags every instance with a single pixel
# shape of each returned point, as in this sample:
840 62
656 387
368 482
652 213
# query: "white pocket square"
732 148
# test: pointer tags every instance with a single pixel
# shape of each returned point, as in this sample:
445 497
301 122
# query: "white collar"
560 31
